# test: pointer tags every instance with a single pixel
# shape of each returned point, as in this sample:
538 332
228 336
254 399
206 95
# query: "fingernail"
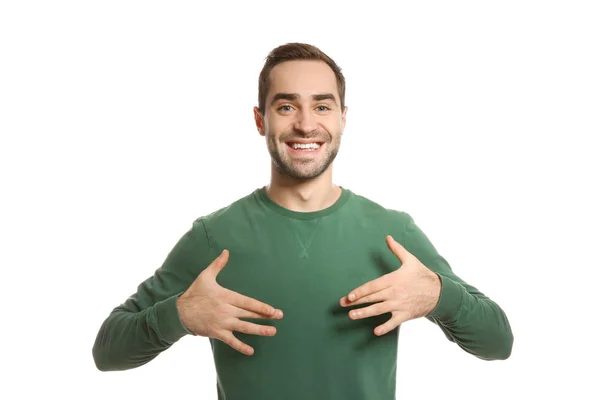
279 314
351 296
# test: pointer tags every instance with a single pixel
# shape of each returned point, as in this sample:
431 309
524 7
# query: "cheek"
334 121
334 126
272 125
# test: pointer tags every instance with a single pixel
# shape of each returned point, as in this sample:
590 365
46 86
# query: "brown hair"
296 51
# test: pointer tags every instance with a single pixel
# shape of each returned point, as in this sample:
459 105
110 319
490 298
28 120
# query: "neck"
303 196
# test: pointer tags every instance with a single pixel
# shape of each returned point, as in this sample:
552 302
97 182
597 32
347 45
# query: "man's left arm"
424 285
468 317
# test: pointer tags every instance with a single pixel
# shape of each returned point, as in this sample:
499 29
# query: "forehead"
305 77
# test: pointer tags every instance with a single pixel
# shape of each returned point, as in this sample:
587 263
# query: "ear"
260 121
344 118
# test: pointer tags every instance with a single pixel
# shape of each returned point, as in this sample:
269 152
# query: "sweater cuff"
451 297
168 320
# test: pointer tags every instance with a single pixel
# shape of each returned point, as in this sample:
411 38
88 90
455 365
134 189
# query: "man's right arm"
148 322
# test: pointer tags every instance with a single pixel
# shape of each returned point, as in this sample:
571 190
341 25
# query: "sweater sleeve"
148 322
466 316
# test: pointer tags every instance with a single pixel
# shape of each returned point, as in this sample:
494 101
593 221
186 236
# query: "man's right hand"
208 309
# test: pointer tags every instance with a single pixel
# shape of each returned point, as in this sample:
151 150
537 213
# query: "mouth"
304 146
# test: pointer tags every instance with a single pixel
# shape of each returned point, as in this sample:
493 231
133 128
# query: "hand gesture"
208 309
410 292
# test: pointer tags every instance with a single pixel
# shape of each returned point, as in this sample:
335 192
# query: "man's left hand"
410 292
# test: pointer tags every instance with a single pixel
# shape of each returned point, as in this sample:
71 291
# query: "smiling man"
301 285
303 128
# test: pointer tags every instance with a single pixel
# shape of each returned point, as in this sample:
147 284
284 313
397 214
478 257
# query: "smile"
304 146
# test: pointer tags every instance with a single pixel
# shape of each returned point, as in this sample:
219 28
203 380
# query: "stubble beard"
302 170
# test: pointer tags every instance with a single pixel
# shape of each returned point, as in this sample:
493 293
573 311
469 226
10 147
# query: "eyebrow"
296 96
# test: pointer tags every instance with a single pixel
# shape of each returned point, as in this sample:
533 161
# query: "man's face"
303 121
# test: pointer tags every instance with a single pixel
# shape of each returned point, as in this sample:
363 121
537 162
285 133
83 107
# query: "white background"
123 121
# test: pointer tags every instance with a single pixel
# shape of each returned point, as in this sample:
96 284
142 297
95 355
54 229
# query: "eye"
285 107
323 108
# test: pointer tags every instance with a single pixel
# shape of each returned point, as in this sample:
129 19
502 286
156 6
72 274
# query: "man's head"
301 109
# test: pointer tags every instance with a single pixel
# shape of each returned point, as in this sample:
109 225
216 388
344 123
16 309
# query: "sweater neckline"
262 195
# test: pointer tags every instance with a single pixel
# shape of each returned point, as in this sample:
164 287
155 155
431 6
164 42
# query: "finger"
371 287
254 329
398 250
371 311
218 264
372 298
241 313
250 304
235 343
389 325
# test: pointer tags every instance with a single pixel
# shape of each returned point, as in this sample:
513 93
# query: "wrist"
450 300
164 317
180 306
435 291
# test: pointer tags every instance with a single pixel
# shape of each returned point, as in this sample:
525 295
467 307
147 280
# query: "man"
343 270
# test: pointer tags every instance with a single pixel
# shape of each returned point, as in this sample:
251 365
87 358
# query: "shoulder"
400 224
377 212
377 217
234 214
197 247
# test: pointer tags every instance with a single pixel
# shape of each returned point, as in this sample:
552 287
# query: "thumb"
398 250
218 263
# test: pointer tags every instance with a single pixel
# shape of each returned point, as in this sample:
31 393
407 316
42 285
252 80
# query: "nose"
306 121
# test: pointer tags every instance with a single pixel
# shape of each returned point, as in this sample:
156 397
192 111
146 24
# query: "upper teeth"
306 145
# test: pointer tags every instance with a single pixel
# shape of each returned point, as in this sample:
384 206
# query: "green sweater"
302 263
